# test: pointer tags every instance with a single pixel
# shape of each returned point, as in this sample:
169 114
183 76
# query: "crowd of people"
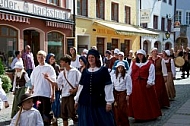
91 89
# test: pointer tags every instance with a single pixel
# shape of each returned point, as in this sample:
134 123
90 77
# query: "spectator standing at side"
74 58
28 59
42 89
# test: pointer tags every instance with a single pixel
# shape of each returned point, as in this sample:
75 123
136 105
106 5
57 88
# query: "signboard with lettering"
34 9
145 16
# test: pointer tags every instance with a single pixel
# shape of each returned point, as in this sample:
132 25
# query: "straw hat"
179 61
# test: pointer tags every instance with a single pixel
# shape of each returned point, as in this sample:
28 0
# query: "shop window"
178 16
114 43
100 8
82 7
100 45
167 46
55 44
8 39
54 2
127 15
156 45
115 11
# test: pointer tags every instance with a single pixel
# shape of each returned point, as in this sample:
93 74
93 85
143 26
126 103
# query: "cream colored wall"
84 26
122 4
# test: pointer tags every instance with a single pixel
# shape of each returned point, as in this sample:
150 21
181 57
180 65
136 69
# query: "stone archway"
158 45
146 46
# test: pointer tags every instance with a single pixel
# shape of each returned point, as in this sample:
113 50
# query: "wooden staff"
18 117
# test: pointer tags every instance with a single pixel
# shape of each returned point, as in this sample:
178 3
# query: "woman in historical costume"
171 74
75 58
143 102
122 89
94 97
160 78
83 63
19 87
50 59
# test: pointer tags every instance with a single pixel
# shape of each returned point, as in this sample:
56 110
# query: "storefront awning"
125 29
36 16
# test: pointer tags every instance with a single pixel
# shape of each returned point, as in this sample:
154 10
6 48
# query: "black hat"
108 52
24 97
83 58
94 53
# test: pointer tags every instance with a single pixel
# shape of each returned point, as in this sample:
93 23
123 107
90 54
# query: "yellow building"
108 24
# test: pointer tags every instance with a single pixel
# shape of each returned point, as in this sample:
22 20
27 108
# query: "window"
165 1
155 22
179 16
8 39
114 43
169 25
100 8
170 2
144 25
55 44
187 18
82 7
100 45
127 15
163 24
114 11
54 2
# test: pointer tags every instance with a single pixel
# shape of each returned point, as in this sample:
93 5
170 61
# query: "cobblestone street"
169 116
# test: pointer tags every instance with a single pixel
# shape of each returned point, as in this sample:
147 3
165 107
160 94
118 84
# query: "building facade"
161 18
108 24
182 34
42 24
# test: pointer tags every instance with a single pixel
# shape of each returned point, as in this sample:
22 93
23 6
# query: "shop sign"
32 8
14 18
145 16
58 25
105 31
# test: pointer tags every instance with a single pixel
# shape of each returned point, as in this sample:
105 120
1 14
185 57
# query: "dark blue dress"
92 104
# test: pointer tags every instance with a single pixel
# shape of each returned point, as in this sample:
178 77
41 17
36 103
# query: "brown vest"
158 65
168 65
21 81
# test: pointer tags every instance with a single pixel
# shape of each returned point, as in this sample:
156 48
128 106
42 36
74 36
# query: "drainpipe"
74 19
174 20
140 21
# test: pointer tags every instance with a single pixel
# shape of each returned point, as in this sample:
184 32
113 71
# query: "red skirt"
161 91
143 102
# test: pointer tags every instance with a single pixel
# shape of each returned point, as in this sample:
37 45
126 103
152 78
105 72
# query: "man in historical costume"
68 81
42 89
160 78
186 66
143 102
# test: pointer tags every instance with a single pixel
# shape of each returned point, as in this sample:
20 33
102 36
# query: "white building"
161 18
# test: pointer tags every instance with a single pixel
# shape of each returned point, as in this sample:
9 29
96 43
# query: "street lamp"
167 35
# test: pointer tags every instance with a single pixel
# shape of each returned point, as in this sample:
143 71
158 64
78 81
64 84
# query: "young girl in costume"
19 87
122 89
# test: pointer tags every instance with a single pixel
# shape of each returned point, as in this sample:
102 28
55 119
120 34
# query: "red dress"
143 102
160 84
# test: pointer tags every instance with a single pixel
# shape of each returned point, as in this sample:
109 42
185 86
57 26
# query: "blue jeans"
29 71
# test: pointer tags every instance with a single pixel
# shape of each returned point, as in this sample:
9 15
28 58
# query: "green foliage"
2 70
6 83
